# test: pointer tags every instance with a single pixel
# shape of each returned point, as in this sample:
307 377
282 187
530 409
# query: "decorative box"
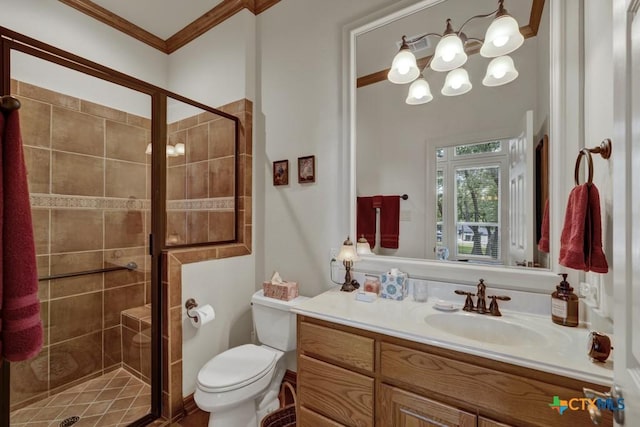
285 291
394 285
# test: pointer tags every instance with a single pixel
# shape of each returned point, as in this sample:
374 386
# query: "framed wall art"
281 172
306 169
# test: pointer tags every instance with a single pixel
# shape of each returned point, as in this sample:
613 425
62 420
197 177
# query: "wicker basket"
286 415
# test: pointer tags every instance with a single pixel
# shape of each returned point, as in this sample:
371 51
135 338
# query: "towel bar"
604 149
130 266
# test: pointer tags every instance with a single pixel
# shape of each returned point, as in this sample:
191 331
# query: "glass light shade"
148 150
403 68
347 252
502 37
362 247
180 149
419 93
500 71
456 83
449 54
171 151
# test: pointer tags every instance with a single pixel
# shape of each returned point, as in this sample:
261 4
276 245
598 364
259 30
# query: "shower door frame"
11 40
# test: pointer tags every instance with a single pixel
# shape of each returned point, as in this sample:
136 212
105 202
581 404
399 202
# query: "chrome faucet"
481 302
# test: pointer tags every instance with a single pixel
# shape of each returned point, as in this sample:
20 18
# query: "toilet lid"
236 368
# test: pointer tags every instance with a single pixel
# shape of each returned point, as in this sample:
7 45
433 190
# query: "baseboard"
190 406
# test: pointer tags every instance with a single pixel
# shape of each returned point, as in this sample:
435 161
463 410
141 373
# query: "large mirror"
476 168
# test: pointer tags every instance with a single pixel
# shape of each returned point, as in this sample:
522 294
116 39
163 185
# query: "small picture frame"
306 169
281 172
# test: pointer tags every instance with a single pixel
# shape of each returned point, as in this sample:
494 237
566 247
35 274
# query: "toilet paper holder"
189 305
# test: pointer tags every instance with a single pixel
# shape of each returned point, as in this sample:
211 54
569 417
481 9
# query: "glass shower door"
89 179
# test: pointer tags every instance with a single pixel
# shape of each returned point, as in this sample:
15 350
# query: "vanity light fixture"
363 247
172 150
348 256
502 37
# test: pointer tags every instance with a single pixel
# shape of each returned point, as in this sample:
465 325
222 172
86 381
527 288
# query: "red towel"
543 243
366 220
597 261
390 222
581 238
572 239
20 327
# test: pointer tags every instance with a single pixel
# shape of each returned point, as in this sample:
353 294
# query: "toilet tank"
275 323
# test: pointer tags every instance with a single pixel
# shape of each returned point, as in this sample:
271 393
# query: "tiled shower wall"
201 183
89 182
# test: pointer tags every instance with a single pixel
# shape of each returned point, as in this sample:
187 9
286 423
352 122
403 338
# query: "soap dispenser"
564 304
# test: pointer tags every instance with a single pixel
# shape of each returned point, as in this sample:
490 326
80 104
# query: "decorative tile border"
217 204
39 200
51 201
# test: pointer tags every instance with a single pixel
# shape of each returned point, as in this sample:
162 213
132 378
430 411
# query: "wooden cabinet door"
486 422
400 408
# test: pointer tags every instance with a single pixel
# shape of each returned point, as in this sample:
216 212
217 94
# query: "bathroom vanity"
390 363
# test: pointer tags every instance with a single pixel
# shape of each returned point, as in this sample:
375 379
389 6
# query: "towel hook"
604 149
9 103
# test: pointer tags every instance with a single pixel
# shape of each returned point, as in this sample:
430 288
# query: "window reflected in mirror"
470 187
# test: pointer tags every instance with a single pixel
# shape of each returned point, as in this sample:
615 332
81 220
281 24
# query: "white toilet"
240 386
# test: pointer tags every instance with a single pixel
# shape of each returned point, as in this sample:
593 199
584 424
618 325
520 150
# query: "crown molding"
220 13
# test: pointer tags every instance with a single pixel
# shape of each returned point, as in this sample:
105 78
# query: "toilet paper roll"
202 315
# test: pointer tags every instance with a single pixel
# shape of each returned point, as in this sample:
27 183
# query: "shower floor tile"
114 399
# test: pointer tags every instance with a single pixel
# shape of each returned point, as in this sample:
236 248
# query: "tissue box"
285 291
394 285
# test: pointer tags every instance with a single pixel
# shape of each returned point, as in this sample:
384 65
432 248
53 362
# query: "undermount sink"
493 330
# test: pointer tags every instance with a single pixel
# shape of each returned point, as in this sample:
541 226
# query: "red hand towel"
390 222
543 243
366 220
597 261
21 327
572 240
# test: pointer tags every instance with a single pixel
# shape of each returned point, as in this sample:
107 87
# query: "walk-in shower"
110 166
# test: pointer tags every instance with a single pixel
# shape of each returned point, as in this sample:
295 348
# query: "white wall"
300 78
64 27
227 285
598 100
217 68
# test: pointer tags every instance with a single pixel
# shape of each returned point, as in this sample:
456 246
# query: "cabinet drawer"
337 346
341 395
307 418
527 399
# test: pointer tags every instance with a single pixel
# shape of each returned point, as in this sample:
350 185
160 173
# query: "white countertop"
558 349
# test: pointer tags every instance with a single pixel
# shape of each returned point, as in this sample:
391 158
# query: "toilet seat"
236 368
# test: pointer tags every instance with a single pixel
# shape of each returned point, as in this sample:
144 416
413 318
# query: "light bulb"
448 55
500 41
148 150
499 72
171 151
456 83
404 67
419 92
180 149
